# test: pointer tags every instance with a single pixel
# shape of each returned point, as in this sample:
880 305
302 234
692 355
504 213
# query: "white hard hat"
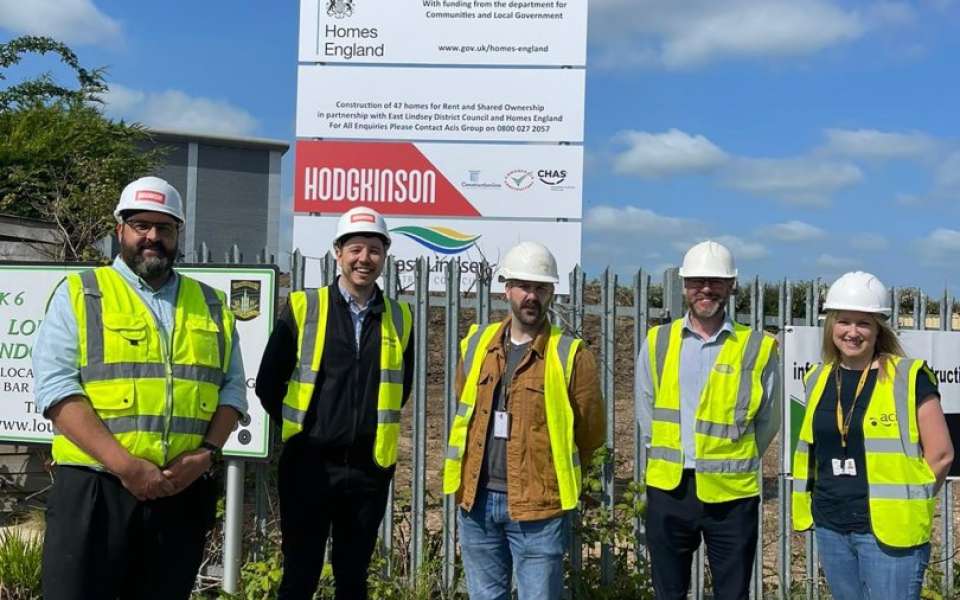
362 220
708 259
858 291
150 193
529 261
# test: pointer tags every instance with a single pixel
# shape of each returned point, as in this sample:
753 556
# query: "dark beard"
148 268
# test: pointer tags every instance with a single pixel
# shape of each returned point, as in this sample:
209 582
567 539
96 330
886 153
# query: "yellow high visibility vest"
558 369
310 309
156 400
727 457
900 482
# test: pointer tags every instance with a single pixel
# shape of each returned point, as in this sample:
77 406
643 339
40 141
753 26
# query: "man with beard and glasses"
335 375
530 414
139 369
708 397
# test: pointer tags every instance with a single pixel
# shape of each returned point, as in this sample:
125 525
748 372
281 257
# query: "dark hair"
337 243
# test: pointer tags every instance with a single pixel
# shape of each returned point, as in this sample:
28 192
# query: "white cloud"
631 220
870 242
661 154
793 231
948 175
173 109
802 181
742 249
940 246
873 144
909 200
679 35
69 21
837 263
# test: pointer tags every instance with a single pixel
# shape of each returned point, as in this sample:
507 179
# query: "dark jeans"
101 542
323 495
677 519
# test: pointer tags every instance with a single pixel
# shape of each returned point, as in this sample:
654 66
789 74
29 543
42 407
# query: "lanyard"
843 422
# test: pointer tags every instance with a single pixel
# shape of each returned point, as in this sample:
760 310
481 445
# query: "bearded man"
530 414
139 369
707 407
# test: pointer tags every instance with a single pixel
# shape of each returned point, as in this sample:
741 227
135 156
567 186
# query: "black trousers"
675 522
323 494
101 542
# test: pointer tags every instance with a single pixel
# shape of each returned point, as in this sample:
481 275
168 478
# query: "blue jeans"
858 568
494 546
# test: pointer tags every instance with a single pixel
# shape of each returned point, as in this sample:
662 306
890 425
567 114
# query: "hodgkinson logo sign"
391 178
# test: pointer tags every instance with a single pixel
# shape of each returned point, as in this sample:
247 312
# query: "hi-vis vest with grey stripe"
155 395
310 310
558 369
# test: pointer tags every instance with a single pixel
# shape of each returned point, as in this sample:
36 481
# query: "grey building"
27 239
231 192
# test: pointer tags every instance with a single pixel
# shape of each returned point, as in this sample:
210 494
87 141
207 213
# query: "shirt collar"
127 273
352 302
727 326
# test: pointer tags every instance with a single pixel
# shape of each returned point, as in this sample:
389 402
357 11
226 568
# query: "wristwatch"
216 452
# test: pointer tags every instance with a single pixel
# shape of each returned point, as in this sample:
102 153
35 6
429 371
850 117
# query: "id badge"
501 425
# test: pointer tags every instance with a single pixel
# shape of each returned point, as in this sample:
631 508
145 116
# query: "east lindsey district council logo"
245 299
340 8
443 240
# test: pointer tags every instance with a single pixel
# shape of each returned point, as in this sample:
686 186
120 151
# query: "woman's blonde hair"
888 344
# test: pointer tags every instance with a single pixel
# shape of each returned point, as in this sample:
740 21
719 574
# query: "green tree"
61 160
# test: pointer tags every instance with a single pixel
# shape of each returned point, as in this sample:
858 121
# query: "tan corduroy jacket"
532 491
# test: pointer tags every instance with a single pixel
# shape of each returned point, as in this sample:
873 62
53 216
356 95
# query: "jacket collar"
375 305
539 345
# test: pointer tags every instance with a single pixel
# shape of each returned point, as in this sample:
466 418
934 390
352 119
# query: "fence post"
386 526
483 281
577 283
784 484
757 299
812 562
608 346
418 508
672 293
452 340
641 306
946 324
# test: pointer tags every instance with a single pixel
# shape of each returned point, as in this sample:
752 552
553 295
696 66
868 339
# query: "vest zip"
167 358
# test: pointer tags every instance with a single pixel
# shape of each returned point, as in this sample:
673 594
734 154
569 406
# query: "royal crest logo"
340 8
245 299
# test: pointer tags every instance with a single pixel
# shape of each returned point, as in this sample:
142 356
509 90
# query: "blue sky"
811 136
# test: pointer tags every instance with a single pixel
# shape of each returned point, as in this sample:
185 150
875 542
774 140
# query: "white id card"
844 468
501 425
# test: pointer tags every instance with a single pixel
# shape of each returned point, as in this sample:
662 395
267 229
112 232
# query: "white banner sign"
440 180
443 240
519 105
24 294
484 32
941 350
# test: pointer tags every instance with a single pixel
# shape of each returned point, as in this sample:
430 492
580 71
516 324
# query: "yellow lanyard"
843 423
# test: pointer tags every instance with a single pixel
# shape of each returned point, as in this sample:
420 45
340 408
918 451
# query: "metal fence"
614 320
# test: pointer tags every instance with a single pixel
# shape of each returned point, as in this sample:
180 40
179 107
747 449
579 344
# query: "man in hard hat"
139 369
530 413
335 374
707 406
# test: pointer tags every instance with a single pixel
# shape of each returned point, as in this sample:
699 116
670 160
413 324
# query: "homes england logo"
519 180
340 8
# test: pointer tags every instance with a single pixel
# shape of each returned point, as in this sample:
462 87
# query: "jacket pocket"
125 338
203 340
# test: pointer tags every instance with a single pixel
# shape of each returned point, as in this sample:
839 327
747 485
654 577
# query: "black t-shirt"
841 503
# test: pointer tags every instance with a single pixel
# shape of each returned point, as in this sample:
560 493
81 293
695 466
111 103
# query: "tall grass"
20 554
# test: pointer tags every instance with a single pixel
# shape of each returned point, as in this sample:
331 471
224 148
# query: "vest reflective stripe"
310 309
727 459
899 481
558 369
155 396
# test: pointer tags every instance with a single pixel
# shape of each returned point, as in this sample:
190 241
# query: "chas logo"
552 176
439 239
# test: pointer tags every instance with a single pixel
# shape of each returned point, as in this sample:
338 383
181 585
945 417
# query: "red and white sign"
149 196
446 180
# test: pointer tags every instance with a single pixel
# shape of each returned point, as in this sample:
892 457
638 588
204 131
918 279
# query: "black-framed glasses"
163 229
699 282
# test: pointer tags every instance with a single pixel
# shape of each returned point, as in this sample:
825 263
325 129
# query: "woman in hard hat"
873 450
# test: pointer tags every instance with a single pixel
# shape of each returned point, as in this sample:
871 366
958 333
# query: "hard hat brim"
874 310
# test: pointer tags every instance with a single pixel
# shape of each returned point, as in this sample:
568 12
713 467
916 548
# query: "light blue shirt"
56 357
697 357
356 313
